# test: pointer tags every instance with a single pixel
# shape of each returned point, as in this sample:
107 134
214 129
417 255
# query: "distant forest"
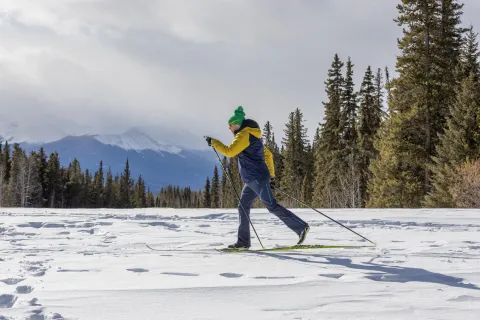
405 142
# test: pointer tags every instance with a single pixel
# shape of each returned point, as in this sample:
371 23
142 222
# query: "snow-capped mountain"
135 139
159 164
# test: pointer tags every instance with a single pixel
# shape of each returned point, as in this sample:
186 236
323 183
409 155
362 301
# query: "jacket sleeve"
239 143
269 161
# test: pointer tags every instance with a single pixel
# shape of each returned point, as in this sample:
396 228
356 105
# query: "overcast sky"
103 66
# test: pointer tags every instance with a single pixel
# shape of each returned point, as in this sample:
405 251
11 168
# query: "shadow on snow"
383 273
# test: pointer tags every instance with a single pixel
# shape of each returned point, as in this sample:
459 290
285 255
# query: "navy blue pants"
262 190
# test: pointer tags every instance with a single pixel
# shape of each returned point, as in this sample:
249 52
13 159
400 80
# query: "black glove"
272 183
209 141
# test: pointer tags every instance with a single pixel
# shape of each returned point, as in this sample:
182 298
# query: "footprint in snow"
12 281
231 275
24 289
7 300
73 270
39 315
273 278
332 275
33 302
184 274
138 270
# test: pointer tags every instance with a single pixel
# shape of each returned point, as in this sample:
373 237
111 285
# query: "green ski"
296 247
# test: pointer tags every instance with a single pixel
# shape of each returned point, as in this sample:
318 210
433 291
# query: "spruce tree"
74 188
460 143
470 56
98 187
3 182
236 181
419 104
369 123
225 191
64 178
215 189
7 161
14 193
327 154
42 177
348 113
140 193
150 199
349 174
53 181
269 142
207 199
117 191
296 160
109 190
126 188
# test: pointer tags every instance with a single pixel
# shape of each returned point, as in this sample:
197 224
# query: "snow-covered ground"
93 264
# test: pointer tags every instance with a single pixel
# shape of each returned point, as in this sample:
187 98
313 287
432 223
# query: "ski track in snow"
92 264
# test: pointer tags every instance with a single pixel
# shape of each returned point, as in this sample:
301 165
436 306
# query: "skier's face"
233 127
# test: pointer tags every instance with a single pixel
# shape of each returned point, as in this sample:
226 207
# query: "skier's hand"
209 141
272 183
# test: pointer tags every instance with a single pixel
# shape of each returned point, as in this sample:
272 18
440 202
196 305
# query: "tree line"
411 141
35 180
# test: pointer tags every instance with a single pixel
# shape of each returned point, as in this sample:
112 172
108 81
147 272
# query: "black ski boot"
303 235
238 246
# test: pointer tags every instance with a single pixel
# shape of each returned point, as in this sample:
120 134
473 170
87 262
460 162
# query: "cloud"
183 66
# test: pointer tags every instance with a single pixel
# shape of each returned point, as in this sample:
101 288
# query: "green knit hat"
237 117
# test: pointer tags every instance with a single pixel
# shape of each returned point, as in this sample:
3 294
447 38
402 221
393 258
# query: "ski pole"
239 200
323 214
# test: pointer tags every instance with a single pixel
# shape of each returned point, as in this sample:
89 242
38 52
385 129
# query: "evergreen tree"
419 102
215 189
296 159
307 184
378 84
3 181
64 178
88 194
267 135
110 200
13 194
53 179
98 187
126 188
207 198
117 191
42 177
369 123
140 193
350 175
460 143
74 187
269 142
225 191
7 161
150 199
469 62
349 112
327 152
236 181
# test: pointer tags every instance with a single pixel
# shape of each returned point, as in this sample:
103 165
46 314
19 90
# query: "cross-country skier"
257 173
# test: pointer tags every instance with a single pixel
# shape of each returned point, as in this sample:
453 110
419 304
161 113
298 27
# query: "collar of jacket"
247 123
